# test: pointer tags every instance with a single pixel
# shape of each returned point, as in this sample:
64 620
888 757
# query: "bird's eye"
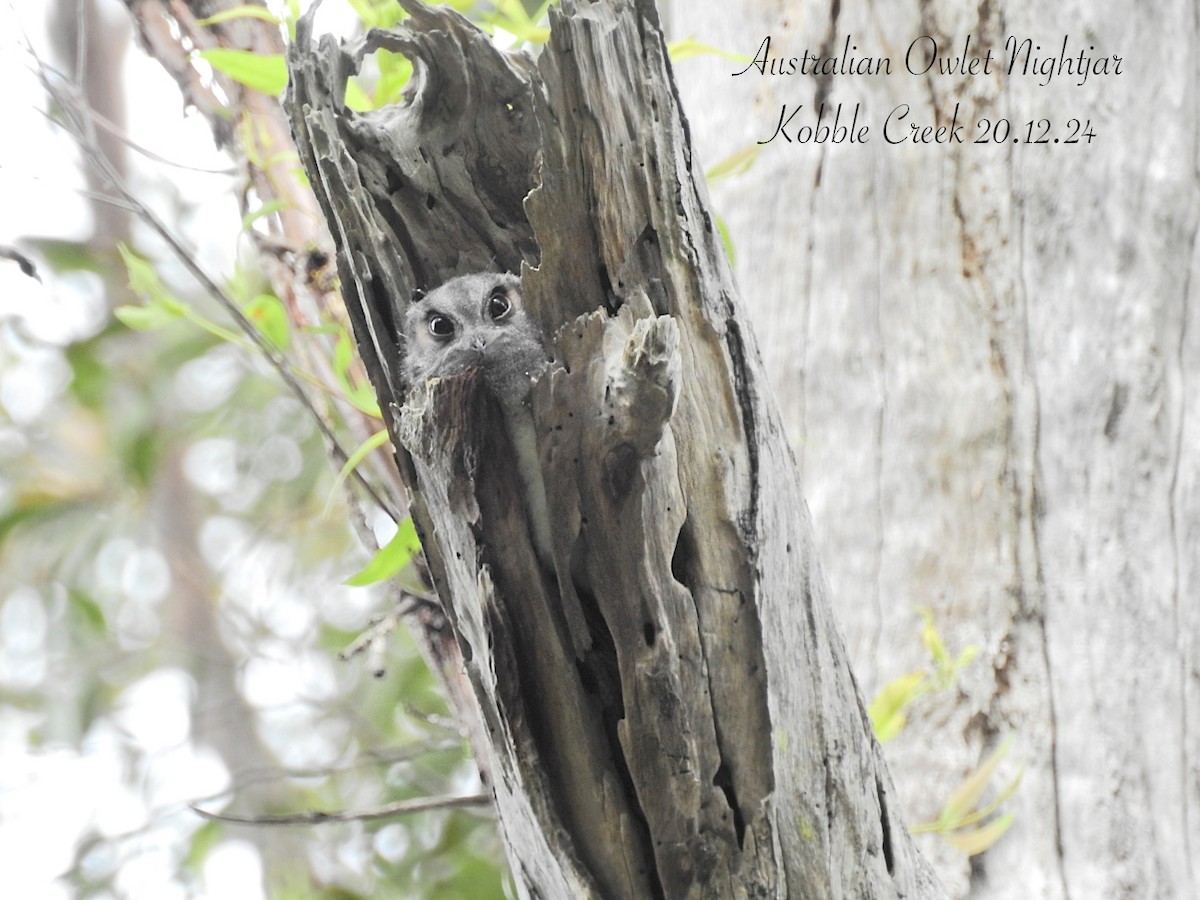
441 326
498 306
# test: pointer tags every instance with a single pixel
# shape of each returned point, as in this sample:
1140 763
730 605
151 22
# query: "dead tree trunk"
667 709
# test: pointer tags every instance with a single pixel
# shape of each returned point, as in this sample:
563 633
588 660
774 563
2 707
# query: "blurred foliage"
688 47
889 709
263 72
959 818
392 557
93 529
958 821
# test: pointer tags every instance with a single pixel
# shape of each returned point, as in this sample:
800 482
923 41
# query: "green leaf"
513 11
88 612
395 72
979 839
966 796
145 318
530 34
90 378
378 13
365 10
511 16
378 439
205 838
267 209
140 455
887 709
543 10
689 47
391 558
968 654
292 17
735 164
270 318
240 12
356 98
726 239
143 280
160 306
266 72
361 396
67 256
218 331
933 640
983 812
33 510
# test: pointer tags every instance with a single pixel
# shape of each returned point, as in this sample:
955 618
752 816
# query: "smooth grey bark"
988 361
664 709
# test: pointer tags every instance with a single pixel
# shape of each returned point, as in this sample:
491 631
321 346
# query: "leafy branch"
889 709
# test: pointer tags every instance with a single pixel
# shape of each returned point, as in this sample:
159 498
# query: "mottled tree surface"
664 709
988 361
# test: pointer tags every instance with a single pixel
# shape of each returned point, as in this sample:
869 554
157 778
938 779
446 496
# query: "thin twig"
121 135
373 641
318 817
265 775
115 202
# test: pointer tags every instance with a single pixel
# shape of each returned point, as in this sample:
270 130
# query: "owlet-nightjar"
475 321
479 321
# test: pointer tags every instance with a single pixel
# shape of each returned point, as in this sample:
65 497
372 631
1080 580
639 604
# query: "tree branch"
318 817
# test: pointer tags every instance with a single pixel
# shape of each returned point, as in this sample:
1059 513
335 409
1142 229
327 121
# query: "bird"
479 321
475 321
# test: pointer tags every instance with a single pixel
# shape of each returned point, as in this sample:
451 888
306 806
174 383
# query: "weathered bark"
988 358
668 710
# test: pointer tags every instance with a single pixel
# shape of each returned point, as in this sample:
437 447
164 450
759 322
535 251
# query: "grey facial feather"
475 321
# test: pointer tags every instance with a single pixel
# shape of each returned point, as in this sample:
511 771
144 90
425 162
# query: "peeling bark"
666 706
